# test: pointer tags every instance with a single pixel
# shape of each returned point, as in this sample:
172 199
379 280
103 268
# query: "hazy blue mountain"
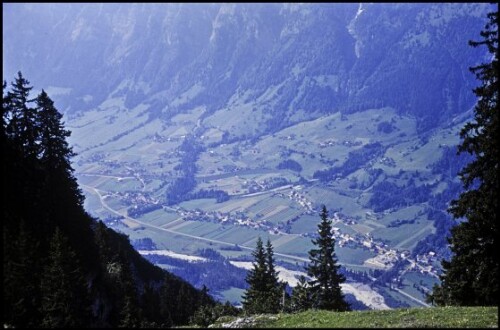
323 57
204 126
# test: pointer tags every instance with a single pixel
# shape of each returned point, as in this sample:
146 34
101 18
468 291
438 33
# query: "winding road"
106 206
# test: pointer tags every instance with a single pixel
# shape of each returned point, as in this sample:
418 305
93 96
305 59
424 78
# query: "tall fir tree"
20 148
265 290
55 151
254 297
471 276
60 197
325 287
6 106
21 118
23 252
274 286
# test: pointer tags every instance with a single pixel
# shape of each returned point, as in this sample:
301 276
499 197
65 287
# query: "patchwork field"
135 167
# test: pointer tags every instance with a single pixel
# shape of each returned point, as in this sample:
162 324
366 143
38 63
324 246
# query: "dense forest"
61 267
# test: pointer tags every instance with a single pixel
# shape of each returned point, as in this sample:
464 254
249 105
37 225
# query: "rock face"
281 58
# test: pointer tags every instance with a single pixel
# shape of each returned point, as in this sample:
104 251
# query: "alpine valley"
200 127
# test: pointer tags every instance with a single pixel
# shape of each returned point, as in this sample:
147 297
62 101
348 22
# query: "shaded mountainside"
314 58
61 267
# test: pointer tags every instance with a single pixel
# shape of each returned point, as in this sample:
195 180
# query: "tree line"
267 294
61 267
470 277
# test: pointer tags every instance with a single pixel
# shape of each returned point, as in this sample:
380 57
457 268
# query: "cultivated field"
134 166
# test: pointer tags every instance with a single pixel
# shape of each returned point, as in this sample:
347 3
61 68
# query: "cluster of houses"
300 199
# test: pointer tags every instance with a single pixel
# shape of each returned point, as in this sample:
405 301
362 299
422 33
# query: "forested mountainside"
61 267
282 58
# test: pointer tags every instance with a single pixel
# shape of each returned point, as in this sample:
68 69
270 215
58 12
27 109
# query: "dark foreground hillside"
438 317
61 267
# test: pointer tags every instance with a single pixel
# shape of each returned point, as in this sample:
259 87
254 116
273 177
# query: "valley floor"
127 180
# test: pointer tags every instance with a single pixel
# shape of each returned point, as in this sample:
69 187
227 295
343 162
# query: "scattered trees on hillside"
290 164
388 195
355 160
471 276
188 151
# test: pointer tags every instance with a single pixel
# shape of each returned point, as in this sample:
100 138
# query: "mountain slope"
323 57
61 267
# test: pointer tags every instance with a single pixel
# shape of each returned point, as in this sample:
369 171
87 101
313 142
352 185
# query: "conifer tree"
264 292
274 286
301 296
130 313
65 302
19 189
20 118
55 152
60 197
325 287
6 108
471 276
20 144
254 299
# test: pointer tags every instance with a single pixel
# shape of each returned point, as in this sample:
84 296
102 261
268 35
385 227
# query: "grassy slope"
439 317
